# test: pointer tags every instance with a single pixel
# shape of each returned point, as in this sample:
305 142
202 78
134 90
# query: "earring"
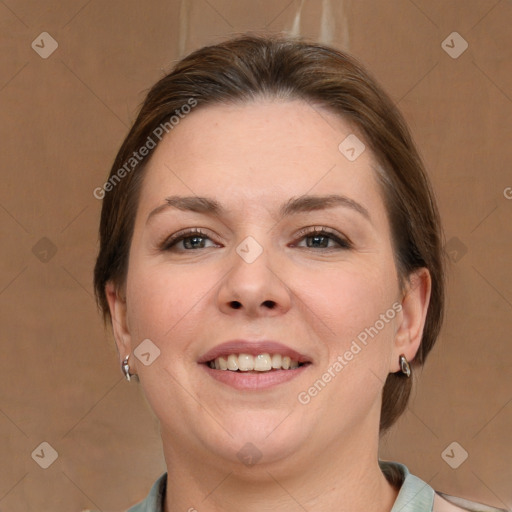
125 367
405 367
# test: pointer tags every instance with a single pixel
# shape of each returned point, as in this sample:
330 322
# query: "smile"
258 363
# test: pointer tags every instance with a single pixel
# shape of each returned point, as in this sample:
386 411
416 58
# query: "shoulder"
154 501
446 503
414 494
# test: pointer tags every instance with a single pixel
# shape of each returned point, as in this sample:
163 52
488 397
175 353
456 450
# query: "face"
255 236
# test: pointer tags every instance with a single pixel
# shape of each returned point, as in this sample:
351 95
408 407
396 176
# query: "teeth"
259 363
262 363
276 361
232 362
245 362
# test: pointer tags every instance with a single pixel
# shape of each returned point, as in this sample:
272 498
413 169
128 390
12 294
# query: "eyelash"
170 242
343 243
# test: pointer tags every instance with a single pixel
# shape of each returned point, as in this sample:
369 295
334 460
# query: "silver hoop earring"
405 367
125 367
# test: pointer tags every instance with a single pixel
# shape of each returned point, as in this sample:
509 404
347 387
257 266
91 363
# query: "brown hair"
246 68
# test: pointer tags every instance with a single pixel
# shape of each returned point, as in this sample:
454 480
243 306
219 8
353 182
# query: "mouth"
261 363
253 365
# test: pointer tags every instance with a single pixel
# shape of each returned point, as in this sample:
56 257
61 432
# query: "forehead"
255 153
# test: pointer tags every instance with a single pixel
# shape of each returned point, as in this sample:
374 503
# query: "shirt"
414 495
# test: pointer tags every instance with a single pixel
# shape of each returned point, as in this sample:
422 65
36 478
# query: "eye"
322 238
191 239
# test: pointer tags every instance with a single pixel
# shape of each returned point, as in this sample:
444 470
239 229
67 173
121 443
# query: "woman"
271 261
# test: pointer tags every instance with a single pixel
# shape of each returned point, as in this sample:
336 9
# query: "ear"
117 306
411 320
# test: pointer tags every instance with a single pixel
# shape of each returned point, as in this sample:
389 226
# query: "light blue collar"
154 501
415 495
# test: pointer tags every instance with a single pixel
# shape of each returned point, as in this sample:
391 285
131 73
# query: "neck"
344 477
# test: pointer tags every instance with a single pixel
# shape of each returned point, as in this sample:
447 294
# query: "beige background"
63 119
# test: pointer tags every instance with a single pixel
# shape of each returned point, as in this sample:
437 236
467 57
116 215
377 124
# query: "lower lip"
254 381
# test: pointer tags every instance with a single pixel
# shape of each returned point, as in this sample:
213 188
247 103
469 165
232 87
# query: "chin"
261 439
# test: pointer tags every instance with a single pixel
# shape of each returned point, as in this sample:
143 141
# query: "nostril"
270 304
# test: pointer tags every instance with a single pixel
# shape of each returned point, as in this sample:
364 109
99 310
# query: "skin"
252 159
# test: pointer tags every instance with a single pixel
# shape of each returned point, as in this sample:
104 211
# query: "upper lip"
253 348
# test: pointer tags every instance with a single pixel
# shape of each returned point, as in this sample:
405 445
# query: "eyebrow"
302 204
310 203
190 204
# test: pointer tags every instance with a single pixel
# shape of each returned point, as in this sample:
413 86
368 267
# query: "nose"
254 289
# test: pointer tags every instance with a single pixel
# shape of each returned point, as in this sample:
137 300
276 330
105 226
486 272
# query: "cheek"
348 299
357 329
167 302
356 345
